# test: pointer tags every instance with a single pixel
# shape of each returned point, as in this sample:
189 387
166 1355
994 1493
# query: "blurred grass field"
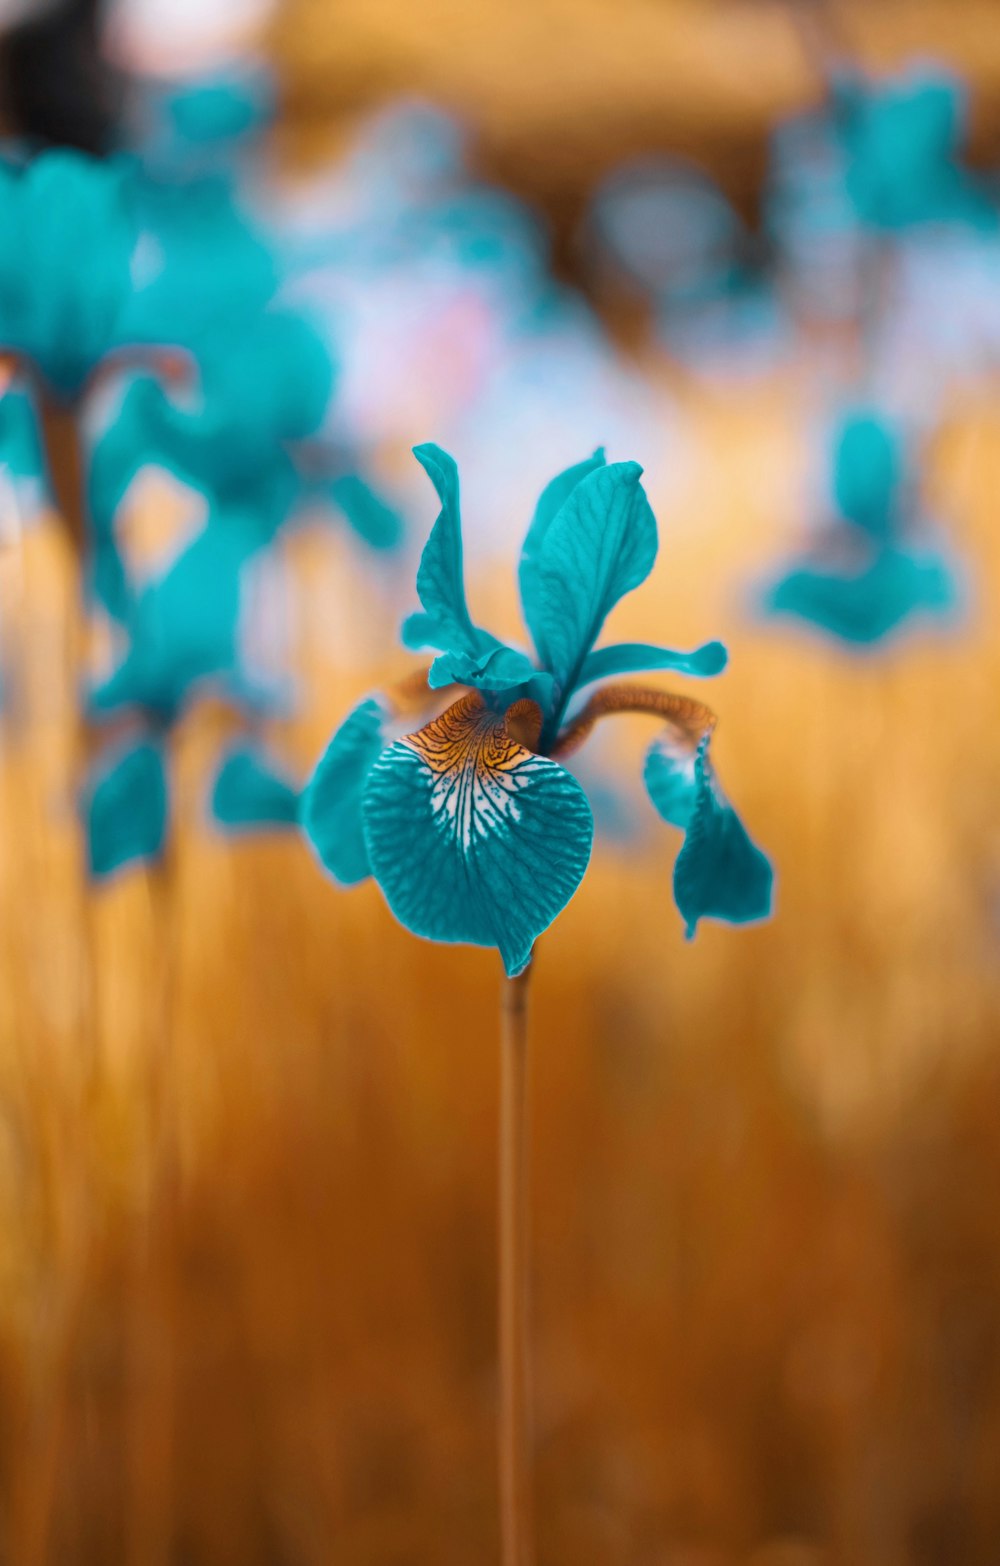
247 1147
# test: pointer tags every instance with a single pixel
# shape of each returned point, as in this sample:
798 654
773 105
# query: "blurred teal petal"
719 873
371 517
126 809
440 585
21 454
66 245
868 470
634 657
250 791
600 545
331 804
870 604
473 837
550 502
184 629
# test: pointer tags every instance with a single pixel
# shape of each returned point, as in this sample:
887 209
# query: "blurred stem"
154 1344
515 1358
61 434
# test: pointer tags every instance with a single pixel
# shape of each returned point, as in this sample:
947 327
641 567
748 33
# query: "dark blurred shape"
56 88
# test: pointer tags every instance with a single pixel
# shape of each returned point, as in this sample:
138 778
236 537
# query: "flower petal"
331 802
719 873
866 606
440 585
498 669
636 657
550 502
600 546
371 517
250 791
472 836
125 809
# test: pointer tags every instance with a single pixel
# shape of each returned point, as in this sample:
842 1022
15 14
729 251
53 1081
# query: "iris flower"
66 246
868 575
471 824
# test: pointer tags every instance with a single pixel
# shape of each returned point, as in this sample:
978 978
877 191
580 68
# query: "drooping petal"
125 809
686 717
331 803
471 835
639 657
600 546
251 792
719 873
550 502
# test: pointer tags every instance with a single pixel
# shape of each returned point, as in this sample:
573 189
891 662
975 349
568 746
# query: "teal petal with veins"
445 623
636 657
550 502
251 792
719 873
472 837
125 810
600 545
331 804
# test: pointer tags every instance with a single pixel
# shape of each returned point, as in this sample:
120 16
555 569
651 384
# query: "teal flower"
471 825
66 248
869 573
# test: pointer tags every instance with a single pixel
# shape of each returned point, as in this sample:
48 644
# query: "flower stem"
515 1378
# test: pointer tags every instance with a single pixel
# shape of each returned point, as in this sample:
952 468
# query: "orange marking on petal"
690 719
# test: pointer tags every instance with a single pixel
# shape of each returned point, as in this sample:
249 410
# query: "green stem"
515 1357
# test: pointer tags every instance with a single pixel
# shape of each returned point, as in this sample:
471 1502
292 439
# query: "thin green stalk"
513 1288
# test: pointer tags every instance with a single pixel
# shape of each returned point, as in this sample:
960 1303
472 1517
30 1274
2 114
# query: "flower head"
472 826
66 249
870 572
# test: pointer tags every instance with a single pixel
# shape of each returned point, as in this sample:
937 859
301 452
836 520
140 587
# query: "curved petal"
250 791
599 547
870 604
550 502
688 718
499 669
371 517
331 803
440 584
472 836
125 810
640 657
719 873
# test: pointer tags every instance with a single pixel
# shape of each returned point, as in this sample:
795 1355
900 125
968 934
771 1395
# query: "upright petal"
600 546
331 803
440 584
471 835
719 872
550 503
